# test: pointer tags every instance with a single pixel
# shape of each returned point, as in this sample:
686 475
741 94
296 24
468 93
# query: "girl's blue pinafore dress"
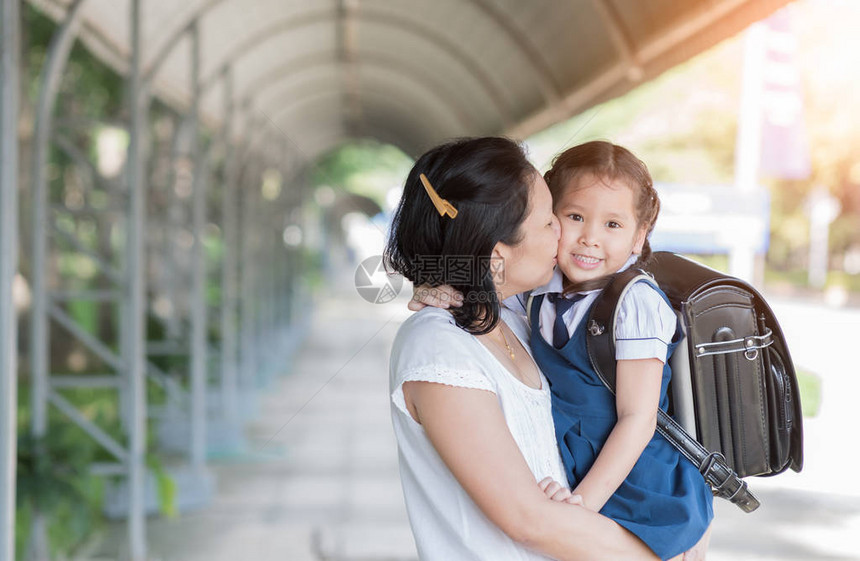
664 500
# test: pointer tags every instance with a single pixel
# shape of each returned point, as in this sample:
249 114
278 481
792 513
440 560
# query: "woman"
471 410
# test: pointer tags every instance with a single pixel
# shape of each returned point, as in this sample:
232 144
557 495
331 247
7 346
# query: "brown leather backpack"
735 405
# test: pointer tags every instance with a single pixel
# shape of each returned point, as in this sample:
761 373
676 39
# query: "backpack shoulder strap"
600 344
601 323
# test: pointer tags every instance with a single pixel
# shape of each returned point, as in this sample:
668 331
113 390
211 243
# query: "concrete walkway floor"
320 479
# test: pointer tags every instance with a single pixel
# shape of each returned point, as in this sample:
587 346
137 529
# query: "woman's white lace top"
446 523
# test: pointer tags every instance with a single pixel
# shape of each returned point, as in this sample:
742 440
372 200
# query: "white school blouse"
446 523
643 329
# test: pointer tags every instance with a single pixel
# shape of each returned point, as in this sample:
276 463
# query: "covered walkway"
194 237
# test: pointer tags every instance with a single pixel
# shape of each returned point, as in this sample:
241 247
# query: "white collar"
556 283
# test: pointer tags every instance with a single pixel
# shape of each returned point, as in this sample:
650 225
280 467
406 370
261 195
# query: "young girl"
606 204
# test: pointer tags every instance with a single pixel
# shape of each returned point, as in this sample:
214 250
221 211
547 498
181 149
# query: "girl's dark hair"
608 162
487 180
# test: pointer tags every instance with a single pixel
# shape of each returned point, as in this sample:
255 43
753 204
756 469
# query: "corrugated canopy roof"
410 72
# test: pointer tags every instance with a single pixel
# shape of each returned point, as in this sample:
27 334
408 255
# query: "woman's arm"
637 397
468 429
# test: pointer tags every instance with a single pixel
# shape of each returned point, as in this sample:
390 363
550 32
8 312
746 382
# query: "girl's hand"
557 492
443 296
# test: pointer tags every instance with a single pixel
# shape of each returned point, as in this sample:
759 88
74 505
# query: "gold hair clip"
442 205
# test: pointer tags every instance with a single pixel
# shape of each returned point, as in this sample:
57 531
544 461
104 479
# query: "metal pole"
247 304
136 304
9 84
176 221
265 332
748 144
260 268
198 269
52 71
273 257
280 277
229 288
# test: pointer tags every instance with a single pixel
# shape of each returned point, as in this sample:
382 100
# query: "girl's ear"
639 240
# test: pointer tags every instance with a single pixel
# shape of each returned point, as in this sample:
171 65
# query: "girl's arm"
444 296
637 397
468 429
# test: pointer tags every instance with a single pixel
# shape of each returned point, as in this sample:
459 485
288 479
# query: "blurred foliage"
165 487
53 476
683 125
366 168
810 392
53 472
89 89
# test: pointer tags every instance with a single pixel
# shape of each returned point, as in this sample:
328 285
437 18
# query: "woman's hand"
557 492
468 429
444 296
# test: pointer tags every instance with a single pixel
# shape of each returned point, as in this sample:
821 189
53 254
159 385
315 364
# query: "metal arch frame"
473 67
260 240
258 124
176 150
277 28
274 29
371 131
247 171
550 87
229 288
231 313
289 99
317 60
134 332
199 349
285 109
174 38
330 140
620 38
234 156
345 38
248 351
9 111
132 359
380 95
199 346
57 56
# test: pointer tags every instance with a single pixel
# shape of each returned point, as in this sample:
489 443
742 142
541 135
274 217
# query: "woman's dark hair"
487 180
608 162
